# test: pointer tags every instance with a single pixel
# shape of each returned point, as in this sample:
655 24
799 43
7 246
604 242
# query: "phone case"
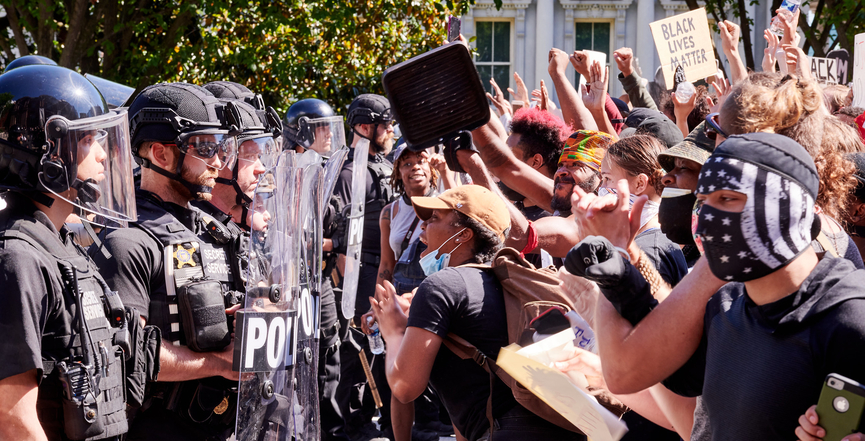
840 406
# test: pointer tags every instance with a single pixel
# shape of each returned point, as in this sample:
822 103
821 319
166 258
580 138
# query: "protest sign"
859 71
843 63
600 57
824 70
685 40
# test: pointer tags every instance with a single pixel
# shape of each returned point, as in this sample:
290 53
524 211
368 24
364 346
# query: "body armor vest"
196 260
87 368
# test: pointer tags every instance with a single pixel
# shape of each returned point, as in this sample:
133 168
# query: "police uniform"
40 268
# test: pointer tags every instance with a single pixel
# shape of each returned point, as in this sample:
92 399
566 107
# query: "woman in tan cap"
463 225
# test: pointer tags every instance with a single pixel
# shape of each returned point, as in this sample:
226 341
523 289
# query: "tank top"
402 215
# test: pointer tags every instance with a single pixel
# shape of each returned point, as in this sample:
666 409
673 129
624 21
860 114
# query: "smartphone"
840 406
454 25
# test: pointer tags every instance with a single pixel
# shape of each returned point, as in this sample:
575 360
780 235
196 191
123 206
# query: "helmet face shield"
263 148
89 165
217 150
322 134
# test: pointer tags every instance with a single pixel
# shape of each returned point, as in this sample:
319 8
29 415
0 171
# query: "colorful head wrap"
587 147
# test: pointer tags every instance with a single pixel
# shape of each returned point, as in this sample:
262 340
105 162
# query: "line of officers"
97 344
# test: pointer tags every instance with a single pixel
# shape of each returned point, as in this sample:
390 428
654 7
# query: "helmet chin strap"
195 189
88 190
378 147
242 199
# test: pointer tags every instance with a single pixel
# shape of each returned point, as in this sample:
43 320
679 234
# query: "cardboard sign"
843 62
825 70
600 57
859 71
685 40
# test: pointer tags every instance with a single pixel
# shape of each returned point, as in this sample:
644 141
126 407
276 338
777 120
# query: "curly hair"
396 179
486 244
846 139
770 102
638 154
541 133
701 108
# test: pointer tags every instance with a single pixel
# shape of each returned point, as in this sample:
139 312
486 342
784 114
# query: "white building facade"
518 36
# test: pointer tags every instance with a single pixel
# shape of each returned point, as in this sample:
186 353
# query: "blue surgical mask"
430 264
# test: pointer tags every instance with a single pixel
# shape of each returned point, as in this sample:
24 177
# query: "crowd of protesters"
714 245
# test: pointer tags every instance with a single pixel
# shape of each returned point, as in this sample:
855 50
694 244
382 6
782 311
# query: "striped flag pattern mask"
772 229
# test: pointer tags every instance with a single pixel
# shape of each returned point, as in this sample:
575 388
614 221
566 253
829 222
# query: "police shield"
305 411
355 228
331 172
267 326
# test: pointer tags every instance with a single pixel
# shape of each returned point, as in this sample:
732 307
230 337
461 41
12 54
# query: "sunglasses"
713 129
207 146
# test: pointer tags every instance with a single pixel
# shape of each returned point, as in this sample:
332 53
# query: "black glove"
596 259
340 231
455 144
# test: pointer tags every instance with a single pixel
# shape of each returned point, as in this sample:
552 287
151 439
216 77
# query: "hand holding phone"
454 28
840 406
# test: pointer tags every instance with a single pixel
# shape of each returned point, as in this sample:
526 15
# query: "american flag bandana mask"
772 229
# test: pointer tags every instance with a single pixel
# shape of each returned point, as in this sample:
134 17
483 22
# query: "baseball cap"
473 201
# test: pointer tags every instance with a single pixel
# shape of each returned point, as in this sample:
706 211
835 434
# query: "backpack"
528 292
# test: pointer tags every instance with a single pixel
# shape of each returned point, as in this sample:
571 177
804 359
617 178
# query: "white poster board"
685 40
825 70
859 71
593 56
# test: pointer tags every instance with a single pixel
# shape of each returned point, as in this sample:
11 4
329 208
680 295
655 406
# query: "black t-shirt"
135 269
664 254
371 229
759 367
467 302
32 296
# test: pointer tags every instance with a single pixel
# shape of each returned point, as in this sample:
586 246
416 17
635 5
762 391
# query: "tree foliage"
327 49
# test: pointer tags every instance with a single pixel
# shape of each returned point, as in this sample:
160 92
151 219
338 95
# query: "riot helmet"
256 153
231 91
29 60
190 118
312 124
370 108
57 135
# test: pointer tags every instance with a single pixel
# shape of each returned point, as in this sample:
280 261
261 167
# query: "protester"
855 216
463 225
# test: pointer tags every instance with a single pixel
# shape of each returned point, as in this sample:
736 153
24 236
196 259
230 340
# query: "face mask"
430 264
773 228
674 214
650 208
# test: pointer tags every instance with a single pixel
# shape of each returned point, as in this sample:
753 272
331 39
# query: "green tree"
328 49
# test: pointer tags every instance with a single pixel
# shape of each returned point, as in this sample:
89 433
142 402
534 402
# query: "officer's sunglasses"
205 147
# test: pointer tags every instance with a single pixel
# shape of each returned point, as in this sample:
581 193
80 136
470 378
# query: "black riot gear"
189 117
299 130
52 119
28 60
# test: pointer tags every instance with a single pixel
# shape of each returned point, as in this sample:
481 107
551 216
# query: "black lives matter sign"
684 40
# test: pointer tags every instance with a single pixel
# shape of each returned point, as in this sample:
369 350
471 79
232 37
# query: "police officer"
66 334
312 124
235 187
369 117
177 264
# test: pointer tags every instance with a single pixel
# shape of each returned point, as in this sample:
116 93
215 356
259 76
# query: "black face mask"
510 193
674 215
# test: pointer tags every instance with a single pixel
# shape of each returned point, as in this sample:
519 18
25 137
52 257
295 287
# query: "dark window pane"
486 73
602 38
485 40
583 33
502 41
502 74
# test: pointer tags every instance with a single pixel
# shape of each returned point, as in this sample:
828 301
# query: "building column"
543 41
645 49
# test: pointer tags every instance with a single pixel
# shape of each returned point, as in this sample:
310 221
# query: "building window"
493 40
594 36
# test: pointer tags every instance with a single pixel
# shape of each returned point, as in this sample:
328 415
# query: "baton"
372 387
